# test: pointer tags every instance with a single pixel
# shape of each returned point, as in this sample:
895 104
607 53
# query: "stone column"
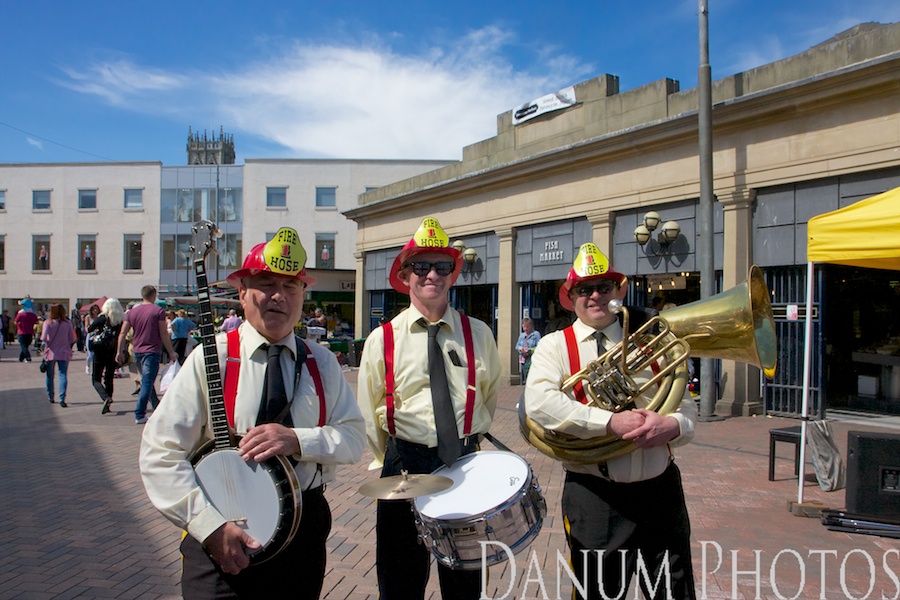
507 305
361 304
601 232
739 387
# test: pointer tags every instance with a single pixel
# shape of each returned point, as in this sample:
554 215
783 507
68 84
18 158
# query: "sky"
101 80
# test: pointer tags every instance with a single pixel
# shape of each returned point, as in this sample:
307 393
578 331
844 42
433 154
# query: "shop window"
324 250
87 252
133 243
40 245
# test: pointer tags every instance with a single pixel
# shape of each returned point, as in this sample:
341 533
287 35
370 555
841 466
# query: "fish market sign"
551 253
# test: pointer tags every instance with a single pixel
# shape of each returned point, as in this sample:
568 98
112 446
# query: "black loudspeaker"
873 474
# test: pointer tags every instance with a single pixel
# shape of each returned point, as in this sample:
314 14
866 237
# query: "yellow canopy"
864 234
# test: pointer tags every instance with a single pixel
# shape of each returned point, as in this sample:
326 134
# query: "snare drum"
494 497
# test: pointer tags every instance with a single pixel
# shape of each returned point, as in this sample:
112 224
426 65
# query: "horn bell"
735 325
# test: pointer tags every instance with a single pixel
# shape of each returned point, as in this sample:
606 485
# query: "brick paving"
79 525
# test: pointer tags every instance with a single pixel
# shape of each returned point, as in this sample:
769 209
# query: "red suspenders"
389 374
575 363
232 374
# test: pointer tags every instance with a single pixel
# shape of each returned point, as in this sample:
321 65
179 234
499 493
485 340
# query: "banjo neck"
222 434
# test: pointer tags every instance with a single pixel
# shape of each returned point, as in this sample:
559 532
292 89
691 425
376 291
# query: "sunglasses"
603 288
422 268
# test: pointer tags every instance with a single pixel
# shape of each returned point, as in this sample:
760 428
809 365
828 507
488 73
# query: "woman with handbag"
103 334
58 336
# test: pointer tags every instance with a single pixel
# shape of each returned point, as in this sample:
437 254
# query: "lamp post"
705 251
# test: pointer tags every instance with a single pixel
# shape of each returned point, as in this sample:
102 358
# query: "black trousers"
402 562
646 521
296 572
180 346
104 370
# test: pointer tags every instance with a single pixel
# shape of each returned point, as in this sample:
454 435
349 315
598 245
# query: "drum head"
482 481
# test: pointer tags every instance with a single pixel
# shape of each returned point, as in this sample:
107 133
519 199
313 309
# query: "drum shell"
516 522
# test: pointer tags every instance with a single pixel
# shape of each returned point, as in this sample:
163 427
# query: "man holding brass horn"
624 511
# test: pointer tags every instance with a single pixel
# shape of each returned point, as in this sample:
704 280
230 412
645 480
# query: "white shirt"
557 411
180 425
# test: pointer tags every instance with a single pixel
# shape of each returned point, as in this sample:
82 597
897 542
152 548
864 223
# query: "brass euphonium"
734 325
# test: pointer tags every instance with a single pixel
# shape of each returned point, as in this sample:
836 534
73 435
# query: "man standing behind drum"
404 424
632 503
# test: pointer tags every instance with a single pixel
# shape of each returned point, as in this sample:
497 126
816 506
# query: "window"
87 199
369 188
3 257
326 197
276 197
40 246
176 252
87 252
230 254
40 200
229 200
324 250
133 252
187 210
2 199
134 198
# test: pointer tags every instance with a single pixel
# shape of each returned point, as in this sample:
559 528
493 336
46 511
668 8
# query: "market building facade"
792 139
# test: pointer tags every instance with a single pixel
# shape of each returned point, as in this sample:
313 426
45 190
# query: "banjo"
263 499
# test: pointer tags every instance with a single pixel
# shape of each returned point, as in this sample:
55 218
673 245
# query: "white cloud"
36 143
347 101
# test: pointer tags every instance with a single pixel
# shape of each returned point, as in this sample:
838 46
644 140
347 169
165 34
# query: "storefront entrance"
862 338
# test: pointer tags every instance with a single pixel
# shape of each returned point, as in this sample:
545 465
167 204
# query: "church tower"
203 150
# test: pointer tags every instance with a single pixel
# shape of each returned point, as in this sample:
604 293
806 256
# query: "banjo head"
254 496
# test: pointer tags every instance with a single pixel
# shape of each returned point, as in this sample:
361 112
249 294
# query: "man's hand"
173 356
265 441
228 546
624 422
657 429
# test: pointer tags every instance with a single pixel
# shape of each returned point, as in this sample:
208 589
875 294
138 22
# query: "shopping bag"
168 376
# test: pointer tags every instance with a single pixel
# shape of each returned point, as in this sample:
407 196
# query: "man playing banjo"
406 425
317 426
629 504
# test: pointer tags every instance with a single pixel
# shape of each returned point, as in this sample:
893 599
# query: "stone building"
791 139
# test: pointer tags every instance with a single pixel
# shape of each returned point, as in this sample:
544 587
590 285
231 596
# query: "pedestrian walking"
58 336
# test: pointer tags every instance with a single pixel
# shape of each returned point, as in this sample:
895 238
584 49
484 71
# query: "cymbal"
405 486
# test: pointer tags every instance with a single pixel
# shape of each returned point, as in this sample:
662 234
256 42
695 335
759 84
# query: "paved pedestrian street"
78 524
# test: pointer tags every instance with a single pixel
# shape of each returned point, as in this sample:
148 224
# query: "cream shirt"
180 425
556 411
413 412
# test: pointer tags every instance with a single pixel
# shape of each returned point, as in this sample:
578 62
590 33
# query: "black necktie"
444 416
599 335
275 398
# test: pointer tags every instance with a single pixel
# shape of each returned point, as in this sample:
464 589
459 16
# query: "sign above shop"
555 101
551 253
348 286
